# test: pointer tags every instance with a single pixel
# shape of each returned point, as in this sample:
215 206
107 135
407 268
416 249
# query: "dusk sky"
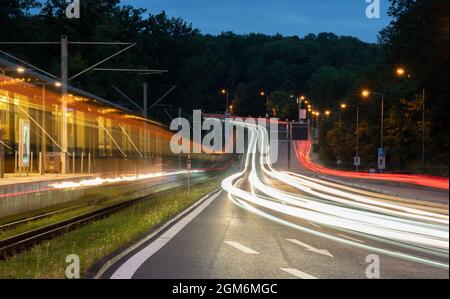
288 17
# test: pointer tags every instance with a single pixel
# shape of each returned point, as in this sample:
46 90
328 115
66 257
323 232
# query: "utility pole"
64 83
145 114
43 137
145 99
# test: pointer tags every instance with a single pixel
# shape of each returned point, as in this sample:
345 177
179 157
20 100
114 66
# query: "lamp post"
328 113
401 72
226 93
262 93
299 102
366 93
345 106
317 114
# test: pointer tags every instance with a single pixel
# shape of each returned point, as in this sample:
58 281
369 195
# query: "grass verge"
101 238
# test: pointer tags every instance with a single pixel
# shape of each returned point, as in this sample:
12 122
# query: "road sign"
299 132
381 158
303 114
357 161
381 163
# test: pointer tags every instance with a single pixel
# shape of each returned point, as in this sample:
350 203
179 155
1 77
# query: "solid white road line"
298 273
127 270
241 247
351 238
310 248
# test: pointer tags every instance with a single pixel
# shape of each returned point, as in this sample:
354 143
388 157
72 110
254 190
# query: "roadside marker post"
189 167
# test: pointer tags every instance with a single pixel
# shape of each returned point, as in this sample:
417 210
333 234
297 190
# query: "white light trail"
101 181
376 216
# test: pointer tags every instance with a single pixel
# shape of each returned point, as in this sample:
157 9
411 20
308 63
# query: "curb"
111 261
360 186
377 189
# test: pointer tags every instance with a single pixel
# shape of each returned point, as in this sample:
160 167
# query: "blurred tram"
101 137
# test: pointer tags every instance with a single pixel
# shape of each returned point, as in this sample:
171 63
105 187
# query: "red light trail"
302 152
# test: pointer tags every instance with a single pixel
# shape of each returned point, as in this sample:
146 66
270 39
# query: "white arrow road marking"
310 248
298 273
350 238
241 247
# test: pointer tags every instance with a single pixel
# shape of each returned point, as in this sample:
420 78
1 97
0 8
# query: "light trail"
374 216
101 181
303 149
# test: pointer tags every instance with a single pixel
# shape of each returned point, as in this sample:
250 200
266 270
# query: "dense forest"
328 69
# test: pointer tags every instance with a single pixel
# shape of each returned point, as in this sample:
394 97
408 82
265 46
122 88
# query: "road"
274 224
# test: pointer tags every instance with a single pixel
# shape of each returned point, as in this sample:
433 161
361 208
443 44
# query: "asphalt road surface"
252 230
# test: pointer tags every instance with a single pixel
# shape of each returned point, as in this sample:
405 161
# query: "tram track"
25 240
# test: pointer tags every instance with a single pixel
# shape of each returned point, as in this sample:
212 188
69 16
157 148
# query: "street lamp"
304 99
366 93
317 114
301 99
328 113
400 71
225 92
344 106
263 93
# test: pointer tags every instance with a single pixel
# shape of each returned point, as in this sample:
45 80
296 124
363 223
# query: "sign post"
357 162
381 159
189 167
